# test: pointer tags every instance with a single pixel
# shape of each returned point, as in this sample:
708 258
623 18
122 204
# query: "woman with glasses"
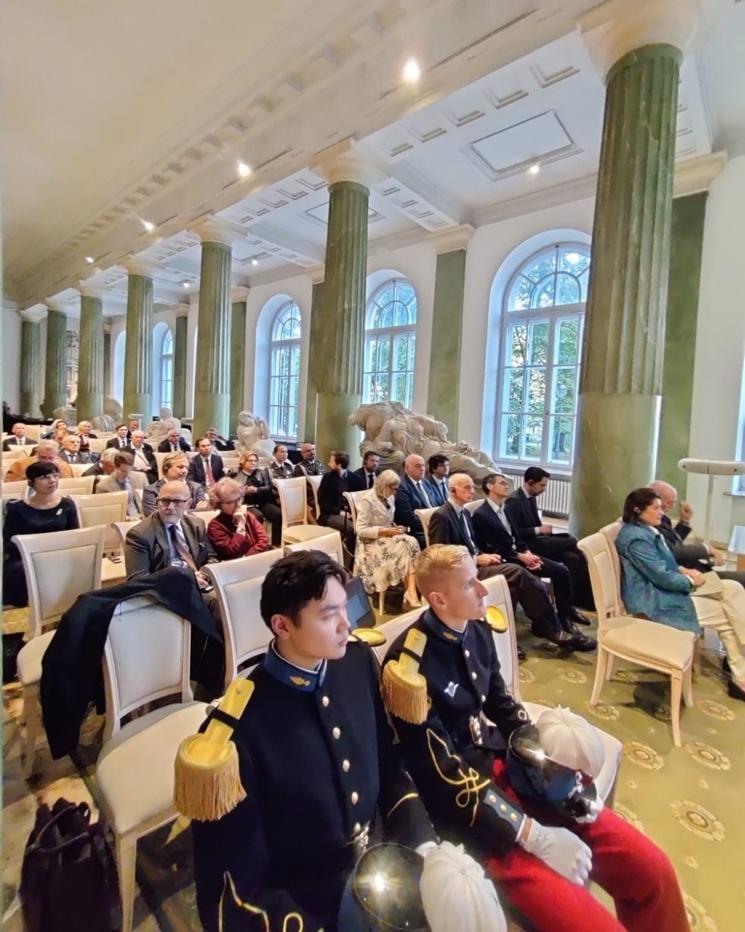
233 534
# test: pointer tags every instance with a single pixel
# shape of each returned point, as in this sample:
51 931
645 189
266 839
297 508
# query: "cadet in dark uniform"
456 758
318 764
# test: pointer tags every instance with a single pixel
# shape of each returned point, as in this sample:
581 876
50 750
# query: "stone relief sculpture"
253 434
394 432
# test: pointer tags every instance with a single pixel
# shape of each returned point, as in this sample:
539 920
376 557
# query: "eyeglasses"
173 501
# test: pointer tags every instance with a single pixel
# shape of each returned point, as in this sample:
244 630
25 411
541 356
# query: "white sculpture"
253 434
394 432
158 430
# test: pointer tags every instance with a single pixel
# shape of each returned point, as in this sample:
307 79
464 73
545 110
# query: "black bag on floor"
69 879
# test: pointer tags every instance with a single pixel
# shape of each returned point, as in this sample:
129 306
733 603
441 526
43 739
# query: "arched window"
390 343
541 345
119 349
166 369
284 371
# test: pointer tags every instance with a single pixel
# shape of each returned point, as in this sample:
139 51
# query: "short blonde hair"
172 459
435 562
386 481
245 456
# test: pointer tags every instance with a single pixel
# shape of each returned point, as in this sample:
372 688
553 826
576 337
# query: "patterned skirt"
385 561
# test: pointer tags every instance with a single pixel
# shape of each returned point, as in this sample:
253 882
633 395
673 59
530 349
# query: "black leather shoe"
569 641
577 616
521 655
734 691
725 666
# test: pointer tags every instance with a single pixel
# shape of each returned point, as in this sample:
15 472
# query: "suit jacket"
150 496
147 547
407 499
165 447
446 527
147 452
196 469
361 474
119 444
437 495
137 480
331 491
13 442
82 457
17 470
695 555
522 512
493 537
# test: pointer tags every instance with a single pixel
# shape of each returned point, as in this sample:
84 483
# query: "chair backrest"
106 508
78 469
204 516
59 566
352 498
97 444
424 514
159 457
79 485
238 587
292 500
15 452
605 578
123 528
498 594
14 490
472 506
610 532
314 482
146 657
33 431
329 543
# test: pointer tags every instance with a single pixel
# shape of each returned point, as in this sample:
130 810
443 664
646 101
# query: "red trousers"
630 867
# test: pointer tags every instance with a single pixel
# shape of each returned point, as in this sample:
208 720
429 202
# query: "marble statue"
65 413
253 434
394 432
157 431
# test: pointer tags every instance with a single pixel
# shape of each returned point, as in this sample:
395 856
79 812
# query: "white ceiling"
115 129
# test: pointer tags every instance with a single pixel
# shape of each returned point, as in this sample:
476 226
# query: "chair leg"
601 667
697 649
126 859
32 719
676 688
611 668
381 601
688 687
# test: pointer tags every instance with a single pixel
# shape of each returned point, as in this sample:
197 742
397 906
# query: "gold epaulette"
404 687
496 619
373 637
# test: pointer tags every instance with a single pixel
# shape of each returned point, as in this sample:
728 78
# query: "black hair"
277 446
437 459
37 470
488 481
369 454
636 502
295 580
535 474
122 425
342 459
123 459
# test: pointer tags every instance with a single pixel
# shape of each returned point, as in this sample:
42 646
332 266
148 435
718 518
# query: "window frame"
553 316
392 334
288 344
162 357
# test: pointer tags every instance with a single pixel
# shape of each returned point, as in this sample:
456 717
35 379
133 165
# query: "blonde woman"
385 554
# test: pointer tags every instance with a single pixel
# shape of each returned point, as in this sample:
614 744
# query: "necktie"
209 478
179 546
423 495
133 506
467 532
73 458
505 523
370 479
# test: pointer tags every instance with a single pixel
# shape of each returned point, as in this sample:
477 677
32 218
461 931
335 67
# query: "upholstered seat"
293 502
329 543
29 659
647 640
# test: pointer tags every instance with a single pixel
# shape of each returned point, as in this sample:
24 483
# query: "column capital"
34 314
53 304
89 289
618 27
239 293
141 267
449 240
182 310
344 162
216 230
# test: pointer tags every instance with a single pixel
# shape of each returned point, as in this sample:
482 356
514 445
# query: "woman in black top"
257 487
46 510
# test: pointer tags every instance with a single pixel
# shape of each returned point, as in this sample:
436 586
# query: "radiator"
555 500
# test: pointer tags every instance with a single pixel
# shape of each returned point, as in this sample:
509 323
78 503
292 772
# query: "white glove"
561 849
596 807
455 892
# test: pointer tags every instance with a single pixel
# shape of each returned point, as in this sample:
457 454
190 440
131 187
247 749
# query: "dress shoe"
577 616
725 666
521 655
567 640
734 691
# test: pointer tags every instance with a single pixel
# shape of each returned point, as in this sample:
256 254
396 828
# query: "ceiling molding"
695 175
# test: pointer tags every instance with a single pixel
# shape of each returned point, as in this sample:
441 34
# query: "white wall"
720 345
11 356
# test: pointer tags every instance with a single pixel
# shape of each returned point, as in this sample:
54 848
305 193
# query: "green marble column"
237 357
686 250
106 364
622 356
342 319
55 386
138 349
90 360
212 397
315 363
445 352
179 366
31 367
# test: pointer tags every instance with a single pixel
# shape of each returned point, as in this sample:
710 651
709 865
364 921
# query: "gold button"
492 797
357 828
325 702
513 817
474 676
355 797
345 765
502 807
467 653
336 732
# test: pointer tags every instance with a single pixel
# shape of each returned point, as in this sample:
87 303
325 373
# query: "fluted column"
106 364
237 354
138 349
315 362
212 397
342 311
179 362
55 385
32 366
639 47
91 358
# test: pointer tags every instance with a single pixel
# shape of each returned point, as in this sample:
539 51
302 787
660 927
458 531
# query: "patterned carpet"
688 799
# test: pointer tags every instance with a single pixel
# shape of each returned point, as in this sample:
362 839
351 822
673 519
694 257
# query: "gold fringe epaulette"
404 687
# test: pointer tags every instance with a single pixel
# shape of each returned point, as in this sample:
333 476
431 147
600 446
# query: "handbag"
68 877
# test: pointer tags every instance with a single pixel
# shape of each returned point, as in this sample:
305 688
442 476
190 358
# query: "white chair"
33 431
15 452
472 506
238 588
146 657
80 485
79 468
59 566
424 514
106 508
352 498
293 502
636 640
329 543
159 457
97 444
12 491
314 482
204 516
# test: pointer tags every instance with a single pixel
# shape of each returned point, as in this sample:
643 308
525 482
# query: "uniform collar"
306 681
440 630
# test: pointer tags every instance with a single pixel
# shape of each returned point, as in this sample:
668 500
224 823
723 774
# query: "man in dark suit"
544 539
436 482
412 494
206 467
219 443
121 441
143 458
19 439
331 502
452 524
174 443
71 453
495 534
369 469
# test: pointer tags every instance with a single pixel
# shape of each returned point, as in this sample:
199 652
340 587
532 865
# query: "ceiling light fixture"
89 260
534 169
411 71
254 262
149 226
244 170
185 284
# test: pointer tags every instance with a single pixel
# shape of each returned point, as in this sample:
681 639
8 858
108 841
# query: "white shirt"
499 510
